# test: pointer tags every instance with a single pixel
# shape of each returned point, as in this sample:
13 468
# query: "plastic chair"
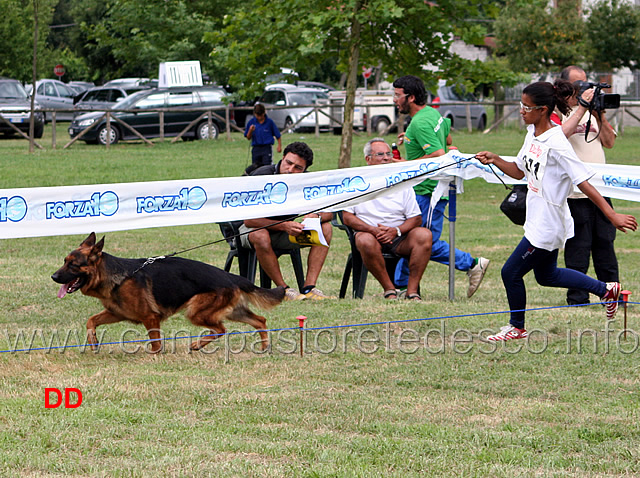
247 260
355 264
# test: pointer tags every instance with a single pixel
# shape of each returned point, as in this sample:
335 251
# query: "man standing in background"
429 136
261 130
593 232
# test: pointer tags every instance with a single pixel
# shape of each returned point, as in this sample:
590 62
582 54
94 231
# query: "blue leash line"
328 327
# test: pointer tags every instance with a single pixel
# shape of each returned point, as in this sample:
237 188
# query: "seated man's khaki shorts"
279 239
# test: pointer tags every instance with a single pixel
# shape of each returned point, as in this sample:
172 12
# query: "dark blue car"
181 106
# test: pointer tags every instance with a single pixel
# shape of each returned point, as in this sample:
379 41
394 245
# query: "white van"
375 103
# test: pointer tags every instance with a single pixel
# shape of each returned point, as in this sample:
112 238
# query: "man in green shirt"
429 135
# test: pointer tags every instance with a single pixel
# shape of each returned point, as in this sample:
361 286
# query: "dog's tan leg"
104 317
153 329
216 330
244 315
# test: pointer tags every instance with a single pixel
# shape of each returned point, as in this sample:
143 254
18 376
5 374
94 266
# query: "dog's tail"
266 298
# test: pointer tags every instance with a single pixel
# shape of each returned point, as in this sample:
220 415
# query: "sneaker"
508 332
292 294
611 299
476 274
317 294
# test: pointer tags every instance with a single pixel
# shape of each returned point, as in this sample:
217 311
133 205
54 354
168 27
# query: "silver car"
56 95
15 107
283 94
457 113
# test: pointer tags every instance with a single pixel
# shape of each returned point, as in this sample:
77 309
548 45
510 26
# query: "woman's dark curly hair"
543 93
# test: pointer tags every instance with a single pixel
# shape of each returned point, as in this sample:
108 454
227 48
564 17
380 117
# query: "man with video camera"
593 232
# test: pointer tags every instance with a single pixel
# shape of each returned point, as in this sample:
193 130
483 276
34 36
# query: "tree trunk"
343 80
34 74
378 69
352 83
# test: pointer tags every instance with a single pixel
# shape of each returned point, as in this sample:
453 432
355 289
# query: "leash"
498 176
151 260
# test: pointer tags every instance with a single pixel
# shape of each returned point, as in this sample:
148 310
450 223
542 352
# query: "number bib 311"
535 162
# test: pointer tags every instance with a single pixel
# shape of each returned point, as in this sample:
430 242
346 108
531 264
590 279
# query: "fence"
504 113
209 113
109 116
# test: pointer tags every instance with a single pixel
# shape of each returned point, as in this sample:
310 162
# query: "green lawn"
414 398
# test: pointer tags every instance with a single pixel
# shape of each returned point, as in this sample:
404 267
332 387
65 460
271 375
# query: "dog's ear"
97 249
90 240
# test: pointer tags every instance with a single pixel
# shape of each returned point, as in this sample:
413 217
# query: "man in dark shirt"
297 158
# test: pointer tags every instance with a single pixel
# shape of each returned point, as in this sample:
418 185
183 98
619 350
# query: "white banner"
51 211
616 181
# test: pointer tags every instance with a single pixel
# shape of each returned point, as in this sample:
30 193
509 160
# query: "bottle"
396 153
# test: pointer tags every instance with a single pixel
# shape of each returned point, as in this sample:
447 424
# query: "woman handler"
552 169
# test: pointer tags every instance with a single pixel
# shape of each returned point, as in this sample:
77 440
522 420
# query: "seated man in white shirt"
391 223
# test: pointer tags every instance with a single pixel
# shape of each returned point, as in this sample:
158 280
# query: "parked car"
15 107
132 82
177 101
102 97
315 84
54 94
81 86
283 94
458 113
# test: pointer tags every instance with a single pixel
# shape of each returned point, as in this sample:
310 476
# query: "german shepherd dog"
149 294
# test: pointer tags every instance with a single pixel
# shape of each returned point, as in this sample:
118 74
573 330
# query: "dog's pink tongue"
63 291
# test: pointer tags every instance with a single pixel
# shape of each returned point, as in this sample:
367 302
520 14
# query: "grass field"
415 398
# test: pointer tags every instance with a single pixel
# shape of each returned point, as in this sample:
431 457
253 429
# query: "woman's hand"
622 222
487 157
507 167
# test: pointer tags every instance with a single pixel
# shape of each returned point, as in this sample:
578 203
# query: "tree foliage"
536 38
16 36
613 35
130 38
102 39
481 75
401 36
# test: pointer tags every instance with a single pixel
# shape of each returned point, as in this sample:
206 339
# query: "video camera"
600 101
